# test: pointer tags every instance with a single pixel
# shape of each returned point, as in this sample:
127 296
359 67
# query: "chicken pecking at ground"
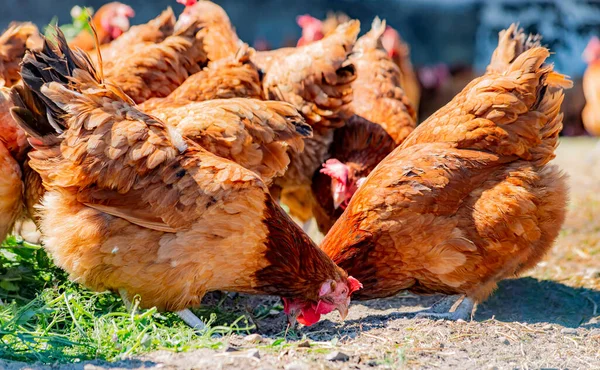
382 118
132 206
110 21
469 198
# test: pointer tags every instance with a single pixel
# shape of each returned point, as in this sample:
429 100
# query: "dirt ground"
548 319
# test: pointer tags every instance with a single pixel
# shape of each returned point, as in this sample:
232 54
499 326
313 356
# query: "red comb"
306 19
354 284
187 2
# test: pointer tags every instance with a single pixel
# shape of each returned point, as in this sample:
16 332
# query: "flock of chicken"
155 164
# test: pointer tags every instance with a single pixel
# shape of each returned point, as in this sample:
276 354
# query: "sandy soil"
548 319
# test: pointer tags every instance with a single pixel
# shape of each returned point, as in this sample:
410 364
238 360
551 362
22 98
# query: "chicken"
469 198
155 31
255 134
316 79
148 70
110 21
382 118
13 43
220 38
314 29
591 88
227 78
132 206
12 146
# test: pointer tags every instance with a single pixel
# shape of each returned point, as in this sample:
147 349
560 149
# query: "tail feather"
512 42
372 39
53 78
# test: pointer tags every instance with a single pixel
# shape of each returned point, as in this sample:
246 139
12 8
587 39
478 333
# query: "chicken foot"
441 310
186 315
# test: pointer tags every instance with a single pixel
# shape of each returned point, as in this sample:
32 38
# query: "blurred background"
451 40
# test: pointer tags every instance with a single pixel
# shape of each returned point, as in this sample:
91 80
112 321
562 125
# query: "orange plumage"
133 205
382 117
469 198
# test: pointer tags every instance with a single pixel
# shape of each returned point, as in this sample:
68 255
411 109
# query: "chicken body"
382 117
255 134
468 199
151 70
132 205
227 78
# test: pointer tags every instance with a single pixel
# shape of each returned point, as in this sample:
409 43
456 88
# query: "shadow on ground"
529 300
525 300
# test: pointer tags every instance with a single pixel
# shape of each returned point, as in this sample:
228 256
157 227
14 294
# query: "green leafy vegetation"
44 317
79 22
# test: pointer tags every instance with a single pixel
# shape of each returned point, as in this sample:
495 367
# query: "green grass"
44 317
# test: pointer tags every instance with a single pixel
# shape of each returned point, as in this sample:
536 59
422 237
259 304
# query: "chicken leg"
441 310
186 315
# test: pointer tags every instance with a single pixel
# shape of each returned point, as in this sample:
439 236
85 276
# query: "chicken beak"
343 310
338 199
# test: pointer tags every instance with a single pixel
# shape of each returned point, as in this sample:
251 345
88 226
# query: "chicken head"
115 18
332 296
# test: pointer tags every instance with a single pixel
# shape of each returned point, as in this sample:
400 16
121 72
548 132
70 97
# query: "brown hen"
469 198
132 206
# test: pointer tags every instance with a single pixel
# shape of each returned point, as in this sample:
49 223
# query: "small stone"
254 353
337 356
547 327
304 344
569 331
460 321
231 349
253 338
296 366
372 363
503 340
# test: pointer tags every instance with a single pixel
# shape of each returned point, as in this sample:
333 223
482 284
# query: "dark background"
461 34
452 32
